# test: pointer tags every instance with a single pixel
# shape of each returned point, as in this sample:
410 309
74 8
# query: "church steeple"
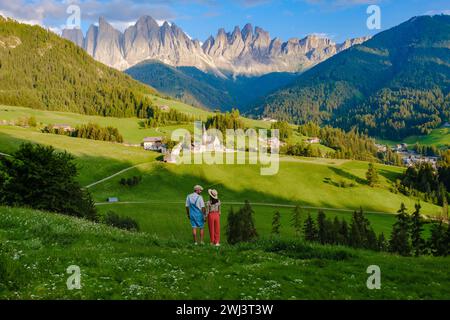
205 135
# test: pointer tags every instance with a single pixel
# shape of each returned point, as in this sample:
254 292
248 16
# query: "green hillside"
307 181
438 137
131 128
395 85
41 70
36 248
196 87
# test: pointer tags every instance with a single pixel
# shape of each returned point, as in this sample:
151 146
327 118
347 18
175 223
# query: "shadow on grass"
348 175
90 168
161 183
389 175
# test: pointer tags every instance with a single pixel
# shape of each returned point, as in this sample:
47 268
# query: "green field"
36 248
157 203
439 137
131 128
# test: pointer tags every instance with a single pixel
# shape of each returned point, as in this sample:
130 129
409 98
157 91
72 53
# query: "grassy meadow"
157 203
131 128
439 137
160 263
36 249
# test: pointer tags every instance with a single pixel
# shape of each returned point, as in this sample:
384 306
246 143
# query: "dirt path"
115 175
260 204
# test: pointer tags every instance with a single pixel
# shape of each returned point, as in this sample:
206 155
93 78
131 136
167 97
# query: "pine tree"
232 227
382 245
371 241
361 233
445 207
296 222
372 175
240 227
399 242
336 235
310 229
276 223
344 232
355 238
416 231
438 242
322 227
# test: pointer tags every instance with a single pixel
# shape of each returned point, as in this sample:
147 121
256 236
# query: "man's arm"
187 208
202 204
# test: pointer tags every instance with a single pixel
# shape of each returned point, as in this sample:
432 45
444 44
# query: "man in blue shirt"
195 210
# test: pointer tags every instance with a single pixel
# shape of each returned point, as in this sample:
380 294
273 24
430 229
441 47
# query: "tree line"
155 117
224 121
346 145
430 183
90 131
406 237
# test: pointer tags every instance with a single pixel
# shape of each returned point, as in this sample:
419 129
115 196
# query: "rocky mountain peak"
243 51
247 32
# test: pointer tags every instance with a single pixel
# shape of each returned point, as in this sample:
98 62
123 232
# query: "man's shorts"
197 221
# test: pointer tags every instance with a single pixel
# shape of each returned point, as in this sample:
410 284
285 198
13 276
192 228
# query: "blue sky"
337 19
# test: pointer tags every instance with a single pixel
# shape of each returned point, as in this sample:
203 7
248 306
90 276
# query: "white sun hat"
198 187
213 193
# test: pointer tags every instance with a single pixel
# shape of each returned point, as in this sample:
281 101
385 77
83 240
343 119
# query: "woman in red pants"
213 212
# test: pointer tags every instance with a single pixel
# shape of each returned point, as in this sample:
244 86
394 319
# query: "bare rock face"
90 42
109 46
75 35
248 51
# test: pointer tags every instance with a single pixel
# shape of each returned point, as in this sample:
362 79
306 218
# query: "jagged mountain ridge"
247 51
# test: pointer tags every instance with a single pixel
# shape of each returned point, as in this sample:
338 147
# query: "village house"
209 143
446 125
403 147
313 140
381 147
63 127
413 159
154 144
164 108
269 120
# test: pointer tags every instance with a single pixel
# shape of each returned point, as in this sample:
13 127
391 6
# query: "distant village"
409 157
209 143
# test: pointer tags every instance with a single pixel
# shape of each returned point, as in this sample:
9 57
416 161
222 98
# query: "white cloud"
122 25
341 3
52 13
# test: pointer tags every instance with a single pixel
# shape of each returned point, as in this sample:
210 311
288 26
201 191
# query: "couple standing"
198 212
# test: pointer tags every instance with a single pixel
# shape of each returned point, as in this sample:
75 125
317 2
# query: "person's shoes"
195 244
217 244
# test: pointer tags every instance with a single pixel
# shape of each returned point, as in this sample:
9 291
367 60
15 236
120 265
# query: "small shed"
63 127
113 199
154 144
